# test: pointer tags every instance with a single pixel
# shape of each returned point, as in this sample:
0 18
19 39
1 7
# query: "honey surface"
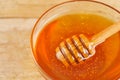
104 65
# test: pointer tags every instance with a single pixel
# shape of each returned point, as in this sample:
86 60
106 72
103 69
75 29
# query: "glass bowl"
70 7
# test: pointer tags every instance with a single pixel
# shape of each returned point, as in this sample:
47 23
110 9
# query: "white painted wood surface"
17 20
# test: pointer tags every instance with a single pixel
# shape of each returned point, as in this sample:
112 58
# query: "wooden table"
17 18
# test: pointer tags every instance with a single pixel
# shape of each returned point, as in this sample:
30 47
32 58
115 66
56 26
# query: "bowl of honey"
74 18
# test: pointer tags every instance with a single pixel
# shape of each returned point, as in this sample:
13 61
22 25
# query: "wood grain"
25 8
33 8
16 59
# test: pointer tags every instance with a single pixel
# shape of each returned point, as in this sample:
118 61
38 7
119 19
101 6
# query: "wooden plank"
33 8
16 59
25 8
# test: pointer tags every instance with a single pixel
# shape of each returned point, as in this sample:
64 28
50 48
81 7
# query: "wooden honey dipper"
79 48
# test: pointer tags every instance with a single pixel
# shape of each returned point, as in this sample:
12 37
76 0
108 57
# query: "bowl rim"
47 11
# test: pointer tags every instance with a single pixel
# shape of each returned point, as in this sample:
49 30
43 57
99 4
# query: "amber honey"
104 65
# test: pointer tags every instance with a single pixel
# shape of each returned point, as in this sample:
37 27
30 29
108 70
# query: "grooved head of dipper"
74 50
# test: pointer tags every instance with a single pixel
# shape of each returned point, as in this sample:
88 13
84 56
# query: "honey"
104 65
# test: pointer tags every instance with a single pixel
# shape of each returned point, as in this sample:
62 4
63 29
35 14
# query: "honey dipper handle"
106 33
